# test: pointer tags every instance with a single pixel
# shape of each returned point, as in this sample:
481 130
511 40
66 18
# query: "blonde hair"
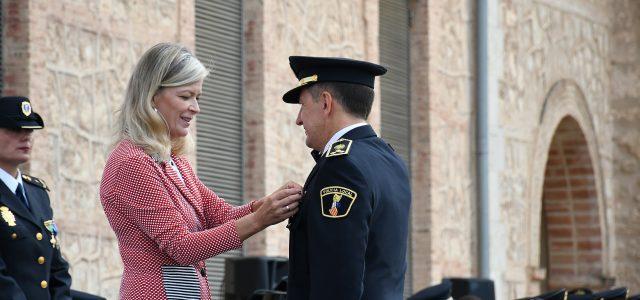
163 65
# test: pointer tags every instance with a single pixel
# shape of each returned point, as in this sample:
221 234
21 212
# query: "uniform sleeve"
8 286
338 225
143 199
60 280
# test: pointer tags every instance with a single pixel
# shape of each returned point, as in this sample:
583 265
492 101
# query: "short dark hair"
355 98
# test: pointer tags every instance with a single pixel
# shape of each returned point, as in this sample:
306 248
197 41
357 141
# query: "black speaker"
79 295
244 275
268 295
478 287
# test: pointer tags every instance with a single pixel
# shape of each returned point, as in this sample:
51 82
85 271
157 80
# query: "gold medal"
8 216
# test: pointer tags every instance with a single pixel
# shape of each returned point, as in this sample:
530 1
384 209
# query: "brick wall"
570 212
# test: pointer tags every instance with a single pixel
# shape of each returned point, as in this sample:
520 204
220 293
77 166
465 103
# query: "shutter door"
394 87
219 125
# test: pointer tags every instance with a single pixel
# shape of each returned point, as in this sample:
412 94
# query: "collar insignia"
8 216
340 147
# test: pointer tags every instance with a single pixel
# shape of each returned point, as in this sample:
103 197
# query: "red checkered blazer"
143 203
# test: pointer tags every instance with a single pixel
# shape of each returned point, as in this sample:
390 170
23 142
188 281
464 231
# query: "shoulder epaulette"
340 147
35 181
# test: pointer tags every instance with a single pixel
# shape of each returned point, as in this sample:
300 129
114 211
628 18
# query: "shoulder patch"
35 181
340 147
336 201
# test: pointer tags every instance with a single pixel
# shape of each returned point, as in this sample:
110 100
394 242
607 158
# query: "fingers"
290 185
281 194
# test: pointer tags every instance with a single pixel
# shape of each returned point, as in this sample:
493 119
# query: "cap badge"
312 78
26 108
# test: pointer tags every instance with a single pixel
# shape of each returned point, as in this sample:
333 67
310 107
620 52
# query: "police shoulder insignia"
336 201
35 181
340 147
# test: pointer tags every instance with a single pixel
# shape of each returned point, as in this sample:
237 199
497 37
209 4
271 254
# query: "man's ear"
328 104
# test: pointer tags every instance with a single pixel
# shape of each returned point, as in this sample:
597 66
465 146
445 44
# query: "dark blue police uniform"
349 238
31 266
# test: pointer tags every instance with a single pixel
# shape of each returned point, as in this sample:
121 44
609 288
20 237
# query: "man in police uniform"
349 239
31 266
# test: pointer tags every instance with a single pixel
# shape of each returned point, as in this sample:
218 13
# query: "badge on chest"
336 201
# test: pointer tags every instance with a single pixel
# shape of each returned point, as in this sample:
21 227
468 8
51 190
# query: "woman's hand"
280 205
255 206
272 209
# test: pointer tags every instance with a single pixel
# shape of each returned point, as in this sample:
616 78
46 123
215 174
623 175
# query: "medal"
8 216
53 229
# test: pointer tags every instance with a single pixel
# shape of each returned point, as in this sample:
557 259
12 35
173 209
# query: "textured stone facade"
76 58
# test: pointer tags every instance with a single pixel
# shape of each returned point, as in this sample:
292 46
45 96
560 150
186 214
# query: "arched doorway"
572 246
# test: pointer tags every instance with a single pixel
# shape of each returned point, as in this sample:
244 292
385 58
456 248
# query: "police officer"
31 266
349 238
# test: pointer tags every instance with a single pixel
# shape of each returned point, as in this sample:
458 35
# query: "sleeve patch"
336 201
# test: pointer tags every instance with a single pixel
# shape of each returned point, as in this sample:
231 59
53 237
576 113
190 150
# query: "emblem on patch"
8 216
26 108
341 147
336 201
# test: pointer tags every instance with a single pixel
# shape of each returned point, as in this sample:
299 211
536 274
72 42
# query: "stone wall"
275 151
75 58
443 226
546 45
624 116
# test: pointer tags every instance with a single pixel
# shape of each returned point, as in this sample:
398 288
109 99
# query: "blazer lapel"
9 199
38 207
182 187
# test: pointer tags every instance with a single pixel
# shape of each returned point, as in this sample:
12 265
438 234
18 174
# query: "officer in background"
31 266
349 238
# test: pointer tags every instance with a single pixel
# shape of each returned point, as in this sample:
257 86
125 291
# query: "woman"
166 220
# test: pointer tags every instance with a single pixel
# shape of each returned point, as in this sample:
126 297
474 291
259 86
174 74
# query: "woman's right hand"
280 205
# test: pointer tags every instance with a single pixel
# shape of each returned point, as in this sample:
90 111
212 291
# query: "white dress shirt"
11 182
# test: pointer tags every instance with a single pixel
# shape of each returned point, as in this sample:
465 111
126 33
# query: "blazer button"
41 260
203 272
14 236
39 236
43 284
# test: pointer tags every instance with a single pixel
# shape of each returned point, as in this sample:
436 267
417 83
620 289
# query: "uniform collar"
336 136
10 181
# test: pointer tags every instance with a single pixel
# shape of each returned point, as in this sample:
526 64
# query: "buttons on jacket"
44 284
39 236
14 236
41 260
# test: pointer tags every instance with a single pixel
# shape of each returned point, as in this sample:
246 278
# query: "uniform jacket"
349 239
144 202
31 266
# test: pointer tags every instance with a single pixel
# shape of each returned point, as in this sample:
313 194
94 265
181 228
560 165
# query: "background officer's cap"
310 70
16 113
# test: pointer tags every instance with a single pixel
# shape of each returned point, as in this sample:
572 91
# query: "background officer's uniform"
31 266
349 238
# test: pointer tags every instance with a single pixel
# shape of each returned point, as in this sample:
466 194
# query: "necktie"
20 193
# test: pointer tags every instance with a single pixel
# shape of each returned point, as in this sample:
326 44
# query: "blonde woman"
166 220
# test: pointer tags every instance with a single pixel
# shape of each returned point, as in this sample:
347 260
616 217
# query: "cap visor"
293 96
